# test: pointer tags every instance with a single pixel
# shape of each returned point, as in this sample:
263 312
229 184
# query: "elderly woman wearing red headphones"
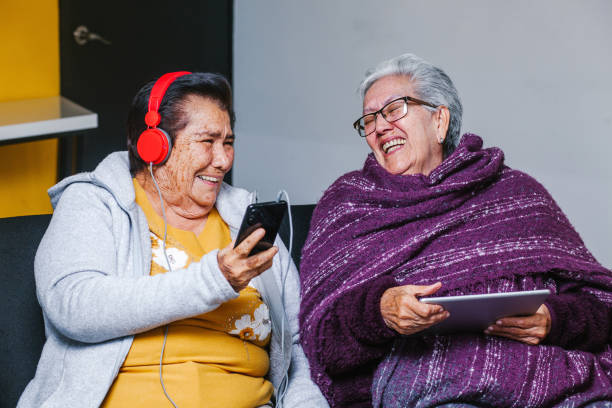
146 301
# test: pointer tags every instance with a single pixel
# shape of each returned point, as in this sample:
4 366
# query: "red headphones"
154 144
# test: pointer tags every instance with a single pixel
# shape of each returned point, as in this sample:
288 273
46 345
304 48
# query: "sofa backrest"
22 332
301 215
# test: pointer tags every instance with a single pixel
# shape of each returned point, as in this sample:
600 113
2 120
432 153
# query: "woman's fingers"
410 304
418 290
402 311
247 245
264 268
408 318
525 336
537 331
239 268
417 324
523 323
531 329
423 309
262 261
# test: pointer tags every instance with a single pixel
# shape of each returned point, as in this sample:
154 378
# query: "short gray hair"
431 85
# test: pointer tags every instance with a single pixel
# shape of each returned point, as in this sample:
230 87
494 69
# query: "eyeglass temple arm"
410 98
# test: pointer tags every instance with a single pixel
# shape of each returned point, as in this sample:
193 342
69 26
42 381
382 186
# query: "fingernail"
499 323
489 329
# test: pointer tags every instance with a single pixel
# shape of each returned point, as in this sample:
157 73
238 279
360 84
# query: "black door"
146 39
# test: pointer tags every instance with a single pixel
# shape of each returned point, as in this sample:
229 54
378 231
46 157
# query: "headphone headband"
152 118
154 144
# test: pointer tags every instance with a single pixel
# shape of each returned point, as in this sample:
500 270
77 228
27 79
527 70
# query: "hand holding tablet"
476 313
532 329
401 310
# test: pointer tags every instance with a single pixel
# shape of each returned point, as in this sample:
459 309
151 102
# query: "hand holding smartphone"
268 216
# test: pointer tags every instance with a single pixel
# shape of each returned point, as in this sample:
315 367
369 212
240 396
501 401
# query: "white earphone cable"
161 356
285 380
284 273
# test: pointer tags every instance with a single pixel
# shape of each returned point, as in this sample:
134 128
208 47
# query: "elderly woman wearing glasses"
430 213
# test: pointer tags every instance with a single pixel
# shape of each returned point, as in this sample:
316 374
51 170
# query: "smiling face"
202 154
410 145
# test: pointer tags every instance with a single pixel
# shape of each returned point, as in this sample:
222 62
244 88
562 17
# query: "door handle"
82 36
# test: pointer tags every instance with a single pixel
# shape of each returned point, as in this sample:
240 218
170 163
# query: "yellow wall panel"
29 50
26 172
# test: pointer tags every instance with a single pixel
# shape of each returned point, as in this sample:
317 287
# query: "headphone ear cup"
154 146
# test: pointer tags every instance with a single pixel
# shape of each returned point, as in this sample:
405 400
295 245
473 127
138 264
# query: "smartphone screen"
266 215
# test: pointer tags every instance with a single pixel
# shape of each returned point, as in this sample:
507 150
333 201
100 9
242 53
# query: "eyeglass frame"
404 98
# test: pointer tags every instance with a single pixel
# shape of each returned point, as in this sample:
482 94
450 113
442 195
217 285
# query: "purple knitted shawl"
475 225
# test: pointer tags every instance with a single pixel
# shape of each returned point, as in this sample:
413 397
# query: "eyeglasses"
394 110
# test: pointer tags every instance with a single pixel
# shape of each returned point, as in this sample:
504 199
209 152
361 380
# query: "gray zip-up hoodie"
92 279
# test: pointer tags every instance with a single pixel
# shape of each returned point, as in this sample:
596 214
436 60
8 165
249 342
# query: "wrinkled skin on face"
202 154
412 144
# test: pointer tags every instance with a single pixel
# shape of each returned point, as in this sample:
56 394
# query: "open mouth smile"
393 145
208 178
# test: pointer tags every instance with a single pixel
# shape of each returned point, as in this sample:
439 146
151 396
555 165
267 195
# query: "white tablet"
474 313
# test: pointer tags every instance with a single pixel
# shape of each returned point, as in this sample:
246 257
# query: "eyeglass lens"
391 112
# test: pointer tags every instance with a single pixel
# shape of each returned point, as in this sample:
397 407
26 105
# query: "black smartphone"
266 215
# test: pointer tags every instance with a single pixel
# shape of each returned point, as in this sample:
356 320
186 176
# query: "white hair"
431 84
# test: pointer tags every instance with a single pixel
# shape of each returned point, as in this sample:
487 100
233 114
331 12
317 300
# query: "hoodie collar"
113 174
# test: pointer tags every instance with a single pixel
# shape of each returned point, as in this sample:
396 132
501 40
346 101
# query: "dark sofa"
21 330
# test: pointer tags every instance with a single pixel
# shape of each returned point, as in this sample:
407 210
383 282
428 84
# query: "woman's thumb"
428 290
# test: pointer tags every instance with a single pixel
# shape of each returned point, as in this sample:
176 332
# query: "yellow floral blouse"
217 359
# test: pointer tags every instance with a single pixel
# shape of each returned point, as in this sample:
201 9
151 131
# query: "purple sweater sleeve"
579 320
354 339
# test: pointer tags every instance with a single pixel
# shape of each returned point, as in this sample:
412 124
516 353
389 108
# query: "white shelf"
43 116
